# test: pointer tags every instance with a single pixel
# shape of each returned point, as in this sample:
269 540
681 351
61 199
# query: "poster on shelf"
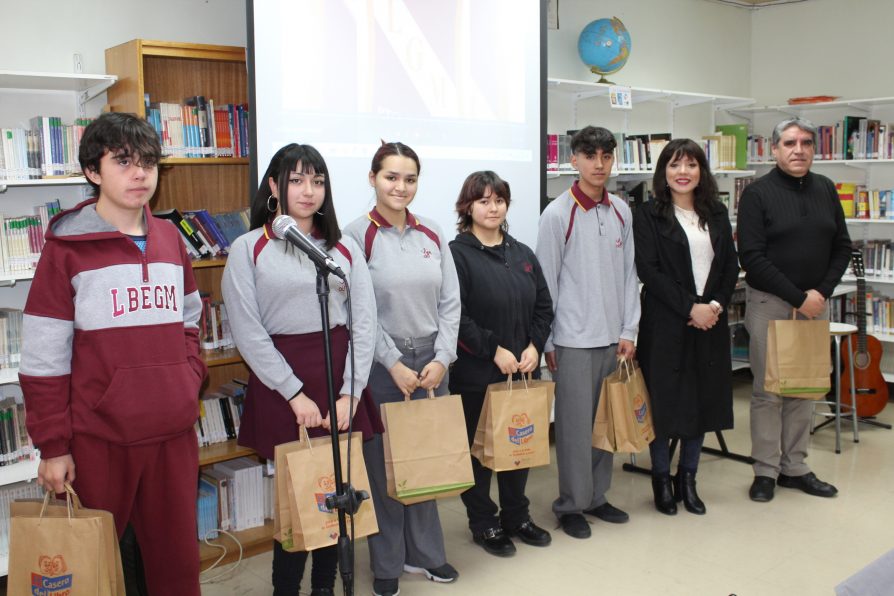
620 97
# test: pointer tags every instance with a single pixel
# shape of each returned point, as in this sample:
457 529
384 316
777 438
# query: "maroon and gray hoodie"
110 335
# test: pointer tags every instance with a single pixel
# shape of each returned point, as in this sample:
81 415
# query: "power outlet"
78 63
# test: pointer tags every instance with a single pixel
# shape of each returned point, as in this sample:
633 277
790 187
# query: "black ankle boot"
664 497
684 489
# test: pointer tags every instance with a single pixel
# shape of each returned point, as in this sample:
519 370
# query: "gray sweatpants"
585 473
780 426
408 534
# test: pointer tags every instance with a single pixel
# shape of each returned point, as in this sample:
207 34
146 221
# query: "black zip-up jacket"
505 302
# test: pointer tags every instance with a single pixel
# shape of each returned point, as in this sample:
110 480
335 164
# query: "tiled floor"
796 545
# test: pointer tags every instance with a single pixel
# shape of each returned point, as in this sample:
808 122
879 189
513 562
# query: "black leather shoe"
664 497
575 525
495 541
685 487
530 533
608 513
808 483
762 489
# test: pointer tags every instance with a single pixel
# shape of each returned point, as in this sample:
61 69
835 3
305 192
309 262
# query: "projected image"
457 80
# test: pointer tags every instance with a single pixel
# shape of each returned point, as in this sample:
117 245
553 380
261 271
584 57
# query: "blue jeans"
690 450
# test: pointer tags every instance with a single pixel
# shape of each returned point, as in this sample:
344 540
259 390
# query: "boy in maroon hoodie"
110 366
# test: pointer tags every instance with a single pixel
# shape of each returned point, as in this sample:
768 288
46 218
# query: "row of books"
10 337
196 128
859 202
48 148
220 413
204 234
854 137
214 329
8 494
15 444
878 257
234 495
22 237
725 149
879 313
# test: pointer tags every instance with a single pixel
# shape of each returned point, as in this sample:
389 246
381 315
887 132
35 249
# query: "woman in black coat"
686 260
505 321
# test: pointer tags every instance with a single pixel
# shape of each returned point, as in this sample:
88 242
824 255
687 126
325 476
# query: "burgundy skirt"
267 419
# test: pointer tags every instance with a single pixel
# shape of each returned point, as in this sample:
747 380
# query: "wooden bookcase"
171 72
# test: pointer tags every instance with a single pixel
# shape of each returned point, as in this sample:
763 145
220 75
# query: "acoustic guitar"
871 388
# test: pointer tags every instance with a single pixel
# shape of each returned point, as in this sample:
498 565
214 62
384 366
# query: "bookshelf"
574 104
171 72
23 95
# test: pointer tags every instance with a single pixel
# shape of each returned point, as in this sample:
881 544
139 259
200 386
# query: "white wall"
43 34
822 47
680 45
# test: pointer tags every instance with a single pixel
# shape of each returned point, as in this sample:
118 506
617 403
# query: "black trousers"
288 569
480 508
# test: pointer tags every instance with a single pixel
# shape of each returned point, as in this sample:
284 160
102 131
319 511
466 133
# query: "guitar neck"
861 314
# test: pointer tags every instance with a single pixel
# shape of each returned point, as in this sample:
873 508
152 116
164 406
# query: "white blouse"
700 250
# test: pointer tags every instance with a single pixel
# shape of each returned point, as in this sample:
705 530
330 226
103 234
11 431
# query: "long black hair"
706 191
282 164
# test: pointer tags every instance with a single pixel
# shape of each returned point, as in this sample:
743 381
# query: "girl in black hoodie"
506 318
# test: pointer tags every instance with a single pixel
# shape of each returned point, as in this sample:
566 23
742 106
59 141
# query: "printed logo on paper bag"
640 409
327 485
51 581
522 430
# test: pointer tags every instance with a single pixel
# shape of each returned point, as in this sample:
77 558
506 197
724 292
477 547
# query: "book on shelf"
10 337
207 509
739 186
846 195
15 444
22 238
194 245
199 128
208 224
739 134
47 149
220 413
247 498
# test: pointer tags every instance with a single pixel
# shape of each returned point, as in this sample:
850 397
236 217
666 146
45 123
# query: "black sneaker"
386 587
762 489
575 525
530 533
495 541
808 483
443 574
608 513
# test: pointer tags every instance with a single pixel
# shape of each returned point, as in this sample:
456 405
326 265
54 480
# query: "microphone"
285 228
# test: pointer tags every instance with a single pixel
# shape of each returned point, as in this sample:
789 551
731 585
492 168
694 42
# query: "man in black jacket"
794 247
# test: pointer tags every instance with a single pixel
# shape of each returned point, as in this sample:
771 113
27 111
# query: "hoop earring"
272 207
321 213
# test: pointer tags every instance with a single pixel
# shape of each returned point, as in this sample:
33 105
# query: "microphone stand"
346 500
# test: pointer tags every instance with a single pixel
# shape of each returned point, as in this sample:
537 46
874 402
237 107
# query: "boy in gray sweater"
585 246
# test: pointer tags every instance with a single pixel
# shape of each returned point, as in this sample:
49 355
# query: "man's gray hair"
802 123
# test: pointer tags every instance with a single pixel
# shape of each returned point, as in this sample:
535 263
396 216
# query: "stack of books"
220 412
22 238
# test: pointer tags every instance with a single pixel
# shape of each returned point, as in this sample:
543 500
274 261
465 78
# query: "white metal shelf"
833 162
858 104
87 86
870 279
648 173
584 90
9 375
10 279
19 472
67 181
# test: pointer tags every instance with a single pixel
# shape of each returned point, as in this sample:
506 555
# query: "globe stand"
601 74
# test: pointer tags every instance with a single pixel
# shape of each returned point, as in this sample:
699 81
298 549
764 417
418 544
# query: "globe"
604 46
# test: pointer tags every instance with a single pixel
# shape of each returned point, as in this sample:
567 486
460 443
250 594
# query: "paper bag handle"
625 363
304 437
431 394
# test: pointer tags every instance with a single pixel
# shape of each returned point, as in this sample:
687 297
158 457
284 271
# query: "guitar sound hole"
861 360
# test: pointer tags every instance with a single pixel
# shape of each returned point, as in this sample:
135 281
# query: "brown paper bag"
603 426
59 547
798 360
311 471
283 499
630 411
426 449
514 426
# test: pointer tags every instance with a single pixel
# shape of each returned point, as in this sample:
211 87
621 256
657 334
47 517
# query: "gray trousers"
408 534
585 473
780 426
